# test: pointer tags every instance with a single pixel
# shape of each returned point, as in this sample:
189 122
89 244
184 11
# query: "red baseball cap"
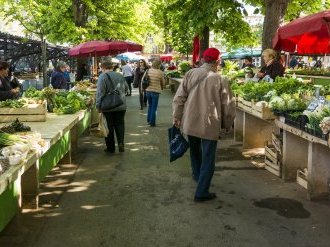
211 54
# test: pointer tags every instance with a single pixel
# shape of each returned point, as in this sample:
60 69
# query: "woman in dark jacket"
139 72
58 79
273 67
8 89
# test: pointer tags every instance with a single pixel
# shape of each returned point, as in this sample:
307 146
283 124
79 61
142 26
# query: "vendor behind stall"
58 79
273 67
8 89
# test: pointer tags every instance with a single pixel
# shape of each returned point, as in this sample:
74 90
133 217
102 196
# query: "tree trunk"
204 41
167 48
79 12
274 16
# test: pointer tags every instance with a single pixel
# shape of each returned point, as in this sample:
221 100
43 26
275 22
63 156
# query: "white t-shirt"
127 70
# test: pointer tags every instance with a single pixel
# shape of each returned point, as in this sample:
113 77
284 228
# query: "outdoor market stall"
23 163
60 134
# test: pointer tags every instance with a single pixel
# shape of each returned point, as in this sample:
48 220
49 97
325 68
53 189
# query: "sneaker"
209 197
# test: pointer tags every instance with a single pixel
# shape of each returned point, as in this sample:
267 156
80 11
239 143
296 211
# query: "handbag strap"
196 84
111 82
145 74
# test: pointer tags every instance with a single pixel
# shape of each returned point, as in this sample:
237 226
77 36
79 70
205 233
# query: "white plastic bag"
102 129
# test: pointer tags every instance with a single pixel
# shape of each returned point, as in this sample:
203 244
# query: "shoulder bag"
111 99
145 80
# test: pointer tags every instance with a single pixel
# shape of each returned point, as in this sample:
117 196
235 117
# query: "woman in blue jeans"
156 84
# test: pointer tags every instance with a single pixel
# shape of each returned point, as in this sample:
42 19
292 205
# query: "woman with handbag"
142 67
111 101
156 84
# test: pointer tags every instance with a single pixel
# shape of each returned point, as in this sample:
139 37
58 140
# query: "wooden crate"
31 113
263 111
277 143
244 104
272 160
302 178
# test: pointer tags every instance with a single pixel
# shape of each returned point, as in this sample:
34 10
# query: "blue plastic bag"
177 143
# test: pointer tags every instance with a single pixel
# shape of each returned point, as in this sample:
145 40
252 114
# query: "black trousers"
116 124
142 96
129 80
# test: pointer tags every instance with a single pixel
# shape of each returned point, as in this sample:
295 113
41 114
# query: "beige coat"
205 108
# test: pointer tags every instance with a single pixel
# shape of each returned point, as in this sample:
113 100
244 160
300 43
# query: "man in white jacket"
202 105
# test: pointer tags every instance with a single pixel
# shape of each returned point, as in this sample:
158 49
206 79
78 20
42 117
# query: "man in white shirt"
128 74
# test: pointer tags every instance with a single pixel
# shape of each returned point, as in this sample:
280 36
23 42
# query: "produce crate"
31 113
277 143
244 104
302 178
272 160
263 111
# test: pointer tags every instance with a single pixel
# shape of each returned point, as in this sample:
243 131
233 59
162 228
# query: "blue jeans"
202 158
152 98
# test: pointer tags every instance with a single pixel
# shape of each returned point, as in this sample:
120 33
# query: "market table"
19 185
252 130
175 83
302 150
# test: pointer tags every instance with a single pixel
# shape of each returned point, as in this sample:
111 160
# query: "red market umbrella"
307 35
103 48
196 44
117 47
95 47
166 57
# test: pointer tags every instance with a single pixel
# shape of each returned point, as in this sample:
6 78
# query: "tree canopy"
75 21
171 23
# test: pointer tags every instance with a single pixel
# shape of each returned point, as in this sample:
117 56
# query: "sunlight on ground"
57 192
258 164
97 144
47 215
81 186
144 147
132 143
137 134
90 207
253 152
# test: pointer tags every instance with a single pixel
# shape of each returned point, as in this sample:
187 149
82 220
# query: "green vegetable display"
10 139
12 103
32 92
69 102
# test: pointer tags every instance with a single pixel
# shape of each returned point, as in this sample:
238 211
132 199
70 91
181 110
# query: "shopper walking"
139 72
128 74
108 81
156 84
202 105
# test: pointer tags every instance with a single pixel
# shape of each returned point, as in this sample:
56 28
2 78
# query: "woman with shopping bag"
112 87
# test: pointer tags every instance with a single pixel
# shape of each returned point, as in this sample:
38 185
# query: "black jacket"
5 89
273 70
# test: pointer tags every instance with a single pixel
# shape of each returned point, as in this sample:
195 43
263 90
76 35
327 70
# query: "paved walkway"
138 198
